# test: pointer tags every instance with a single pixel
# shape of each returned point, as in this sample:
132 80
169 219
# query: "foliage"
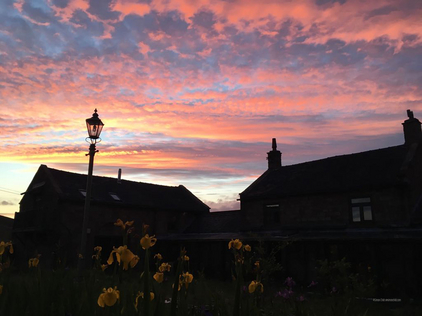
117 288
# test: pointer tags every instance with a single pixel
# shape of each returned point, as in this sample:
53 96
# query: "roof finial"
410 114
274 144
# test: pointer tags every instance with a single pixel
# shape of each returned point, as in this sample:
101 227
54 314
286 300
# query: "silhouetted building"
51 212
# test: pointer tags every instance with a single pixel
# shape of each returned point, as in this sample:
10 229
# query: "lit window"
361 209
114 196
83 192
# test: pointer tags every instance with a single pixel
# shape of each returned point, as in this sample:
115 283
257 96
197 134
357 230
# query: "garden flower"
286 293
33 262
151 295
141 294
237 244
109 297
123 255
164 267
104 266
147 241
159 277
255 285
4 245
158 256
257 264
289 282
313 283
97 252
247 248
185 258
120 223
185 279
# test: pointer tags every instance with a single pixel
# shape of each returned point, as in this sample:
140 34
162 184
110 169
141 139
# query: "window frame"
361 203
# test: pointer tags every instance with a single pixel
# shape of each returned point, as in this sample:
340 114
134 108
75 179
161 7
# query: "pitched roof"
130 193
371 169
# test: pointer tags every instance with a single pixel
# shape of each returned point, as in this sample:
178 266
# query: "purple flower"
285 293
289 282
313 283
301 298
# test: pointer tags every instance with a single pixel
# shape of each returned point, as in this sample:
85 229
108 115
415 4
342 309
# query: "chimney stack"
119 176
274 157
411 129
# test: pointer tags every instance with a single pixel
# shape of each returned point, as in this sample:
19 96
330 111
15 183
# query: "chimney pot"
411 129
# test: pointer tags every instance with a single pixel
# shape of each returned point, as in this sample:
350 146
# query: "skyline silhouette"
193 93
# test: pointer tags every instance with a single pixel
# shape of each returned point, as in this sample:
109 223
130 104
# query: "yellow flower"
164 267
185 279
123 255
147 241
185 258
237 244
141 294
109 297
158 256
33 262
120 223
159 277
255 285
4 245
80 256
1 289
247 248
97 250
104 266
257 264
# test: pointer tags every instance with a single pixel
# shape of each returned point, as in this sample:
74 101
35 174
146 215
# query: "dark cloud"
325 2
205 19
385 10
101 9
90 27
4 203
36 13
61 3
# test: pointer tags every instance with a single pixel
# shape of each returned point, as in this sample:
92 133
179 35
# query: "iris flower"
4 245
159 277
164 267
33 262
147 241
109 297
254 286
247 248
120 223
123 255
237 244
185 279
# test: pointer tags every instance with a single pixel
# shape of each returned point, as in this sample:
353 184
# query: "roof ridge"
111 178
344 155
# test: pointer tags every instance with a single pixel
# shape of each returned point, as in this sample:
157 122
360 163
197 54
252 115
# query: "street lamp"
94 126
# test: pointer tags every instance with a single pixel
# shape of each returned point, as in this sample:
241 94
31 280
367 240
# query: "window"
114 196
272 214
361 210
83 192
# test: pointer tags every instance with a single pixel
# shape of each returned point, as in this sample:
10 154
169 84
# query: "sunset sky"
192 92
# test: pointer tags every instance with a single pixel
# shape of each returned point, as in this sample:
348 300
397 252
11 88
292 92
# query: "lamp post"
94 126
